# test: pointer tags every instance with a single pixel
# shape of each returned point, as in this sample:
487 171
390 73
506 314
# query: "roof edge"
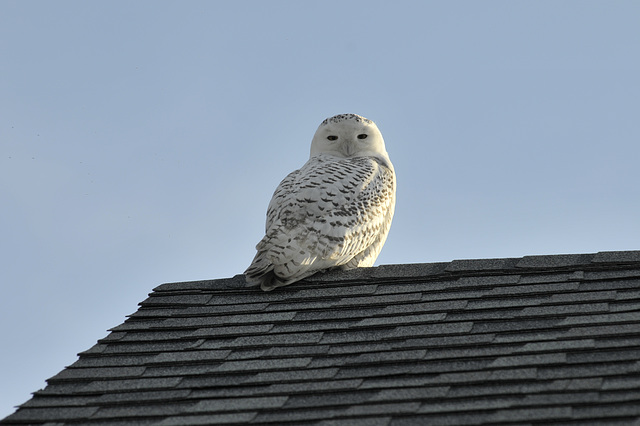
537 263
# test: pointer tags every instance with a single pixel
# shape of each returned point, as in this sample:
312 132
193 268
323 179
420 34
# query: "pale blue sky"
140 141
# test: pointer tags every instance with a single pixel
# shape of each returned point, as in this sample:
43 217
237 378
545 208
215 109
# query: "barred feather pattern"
333 212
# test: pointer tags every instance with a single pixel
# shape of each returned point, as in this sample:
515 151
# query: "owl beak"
348 149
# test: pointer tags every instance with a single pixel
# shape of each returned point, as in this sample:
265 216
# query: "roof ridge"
548 263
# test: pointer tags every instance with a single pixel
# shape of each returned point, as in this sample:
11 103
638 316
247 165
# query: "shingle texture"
532 340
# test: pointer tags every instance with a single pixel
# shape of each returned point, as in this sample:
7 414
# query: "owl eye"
362 136
332 137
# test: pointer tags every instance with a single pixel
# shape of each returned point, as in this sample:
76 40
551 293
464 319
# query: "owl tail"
260 273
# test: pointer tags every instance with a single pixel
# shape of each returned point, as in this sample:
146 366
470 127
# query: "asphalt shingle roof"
532 340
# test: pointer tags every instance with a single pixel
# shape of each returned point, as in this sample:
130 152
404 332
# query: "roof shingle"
539 339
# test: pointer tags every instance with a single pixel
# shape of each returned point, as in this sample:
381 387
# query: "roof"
538 339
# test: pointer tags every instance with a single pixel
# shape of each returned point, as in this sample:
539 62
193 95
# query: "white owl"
335 211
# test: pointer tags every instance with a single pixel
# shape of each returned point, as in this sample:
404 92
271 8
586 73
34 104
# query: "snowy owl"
335 211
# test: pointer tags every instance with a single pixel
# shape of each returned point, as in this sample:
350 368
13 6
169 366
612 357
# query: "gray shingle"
474 265
525 373
615 395
92 373
247 391
530 360
591 383
41 415
279 339
367 421
586 330
540 339
180 370
147 347
444 328
630 305
339 275
379 300
329 399
178 299
481 388
230 330
142 410
555 261
472 351
631 284
287 376
470 404
499 303
302 306
316 326
149 336
397 383
236 404
363 372
473 315
617 257
401 319
618 341
280 351
390 356
583 296
205 285
409 271
623 382
531 336
349 336
628 295
551 277
194 356
611 274
137 397
232 319
447 341
360 348
131 384
298 415
310 386
63 401
210 419
214 381
264 364
383 409
557 346
587 370
516 325
617 354
491 281
422 307
555 310
410 287
553 288
547 414
601 411
342 291
411 394
335 314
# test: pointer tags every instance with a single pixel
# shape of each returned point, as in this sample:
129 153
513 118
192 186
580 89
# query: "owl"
334 212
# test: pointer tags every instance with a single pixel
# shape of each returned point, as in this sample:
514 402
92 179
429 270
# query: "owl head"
349 135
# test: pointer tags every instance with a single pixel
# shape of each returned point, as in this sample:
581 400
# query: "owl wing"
332 212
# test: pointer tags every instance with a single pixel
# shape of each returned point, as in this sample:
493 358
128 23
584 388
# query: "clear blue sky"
140 142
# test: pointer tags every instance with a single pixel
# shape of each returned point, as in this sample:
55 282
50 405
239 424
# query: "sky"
140 142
